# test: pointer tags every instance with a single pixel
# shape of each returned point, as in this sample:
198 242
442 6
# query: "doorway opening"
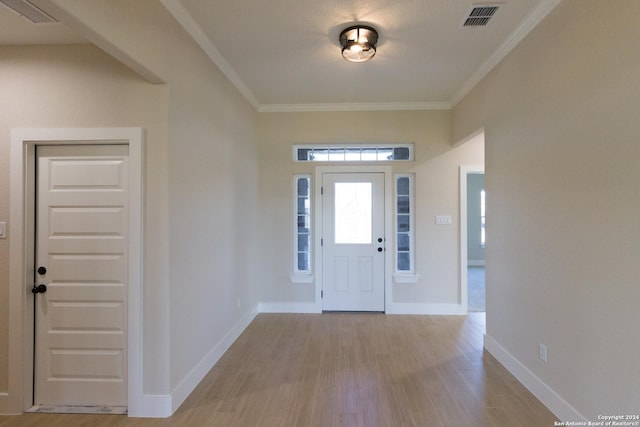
472 239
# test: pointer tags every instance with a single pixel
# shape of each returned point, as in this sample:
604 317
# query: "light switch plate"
443 219
3 230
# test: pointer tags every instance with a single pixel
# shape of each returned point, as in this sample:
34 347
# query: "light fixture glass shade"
358 43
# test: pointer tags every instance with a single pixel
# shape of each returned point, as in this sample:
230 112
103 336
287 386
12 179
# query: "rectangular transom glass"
353 153
353 212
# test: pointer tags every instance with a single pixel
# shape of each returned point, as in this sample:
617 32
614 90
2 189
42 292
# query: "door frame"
388 225
22 244
464 280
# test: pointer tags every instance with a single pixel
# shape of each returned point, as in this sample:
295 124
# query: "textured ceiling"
283 55
16 30
286 52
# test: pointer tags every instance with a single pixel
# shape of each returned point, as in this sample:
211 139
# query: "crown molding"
185 19
355 106
534 17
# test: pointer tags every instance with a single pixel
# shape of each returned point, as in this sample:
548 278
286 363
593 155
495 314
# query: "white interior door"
82 243
353 249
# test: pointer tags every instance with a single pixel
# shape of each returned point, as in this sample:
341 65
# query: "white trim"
537 14
193 378
391 308
290 307
420 308
301 278
179 12
152 406
23 143
406 278
388 221
549 398
464 171
475 263
355 106
187 22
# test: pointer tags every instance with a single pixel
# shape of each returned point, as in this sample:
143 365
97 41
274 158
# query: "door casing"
21 271
388 229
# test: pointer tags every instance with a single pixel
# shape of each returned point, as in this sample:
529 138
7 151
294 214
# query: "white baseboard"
151 406
552 400
290 307
190 382
162 406
393 308
418 308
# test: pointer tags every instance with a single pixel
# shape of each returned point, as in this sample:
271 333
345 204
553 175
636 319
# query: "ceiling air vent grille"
29 11
480 16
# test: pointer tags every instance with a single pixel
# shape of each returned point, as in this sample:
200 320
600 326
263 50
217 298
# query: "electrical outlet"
238 303
542 352
3 230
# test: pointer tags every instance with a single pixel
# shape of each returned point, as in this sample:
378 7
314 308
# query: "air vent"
29 11
480 16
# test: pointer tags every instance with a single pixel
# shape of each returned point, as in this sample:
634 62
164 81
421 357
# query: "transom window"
353 153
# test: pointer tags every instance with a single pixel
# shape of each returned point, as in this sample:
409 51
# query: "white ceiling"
16 30
284 55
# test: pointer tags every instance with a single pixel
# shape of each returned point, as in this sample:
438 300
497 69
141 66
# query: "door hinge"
321 294
321 191
321 242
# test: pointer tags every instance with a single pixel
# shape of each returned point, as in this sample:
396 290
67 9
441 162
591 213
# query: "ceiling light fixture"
358 43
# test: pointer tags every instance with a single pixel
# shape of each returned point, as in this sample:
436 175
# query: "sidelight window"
404 224
302 224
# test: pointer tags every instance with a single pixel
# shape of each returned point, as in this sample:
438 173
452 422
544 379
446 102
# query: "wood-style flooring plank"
345 370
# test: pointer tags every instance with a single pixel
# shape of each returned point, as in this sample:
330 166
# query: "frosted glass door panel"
353 213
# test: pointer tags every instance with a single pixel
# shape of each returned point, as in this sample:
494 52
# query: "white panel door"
82 241
353 250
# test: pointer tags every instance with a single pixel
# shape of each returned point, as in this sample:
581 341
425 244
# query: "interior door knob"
379 249
42 270
40 289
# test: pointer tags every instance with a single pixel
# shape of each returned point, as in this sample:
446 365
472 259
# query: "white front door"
353 248
81 260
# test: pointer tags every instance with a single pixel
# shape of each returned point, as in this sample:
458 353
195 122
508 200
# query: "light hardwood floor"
338 369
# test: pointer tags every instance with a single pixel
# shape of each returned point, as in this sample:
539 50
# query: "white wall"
560 115
436 169
212 164
201 220
81 86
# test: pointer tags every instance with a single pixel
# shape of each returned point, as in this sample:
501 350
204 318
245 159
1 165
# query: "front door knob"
40 289
42 270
